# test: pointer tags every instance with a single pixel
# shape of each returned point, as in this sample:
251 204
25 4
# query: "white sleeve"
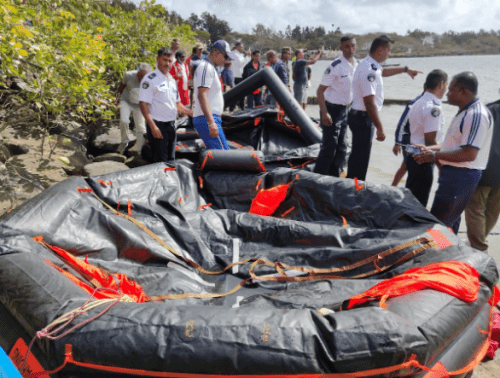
147 90
432 118
368 83
475 129
204 76
329 76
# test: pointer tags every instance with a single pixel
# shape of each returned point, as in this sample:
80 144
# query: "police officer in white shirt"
209 102
239 60
368 97
334 98
464 154
426 128
159 102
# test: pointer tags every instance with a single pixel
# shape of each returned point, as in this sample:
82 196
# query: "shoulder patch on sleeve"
435 112
335 63
371 77
152 76
327 71
145 85
374 67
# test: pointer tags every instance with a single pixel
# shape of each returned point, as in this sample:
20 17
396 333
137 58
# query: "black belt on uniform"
338 105
359 112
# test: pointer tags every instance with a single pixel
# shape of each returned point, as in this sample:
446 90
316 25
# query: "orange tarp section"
98 277
452 277
267 201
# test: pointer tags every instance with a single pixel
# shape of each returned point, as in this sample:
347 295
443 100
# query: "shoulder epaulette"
336 62
152 76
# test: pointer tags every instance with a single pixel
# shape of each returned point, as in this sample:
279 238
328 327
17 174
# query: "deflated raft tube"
232 160
309 130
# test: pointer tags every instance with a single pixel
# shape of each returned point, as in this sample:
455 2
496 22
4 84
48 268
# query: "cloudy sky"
352 16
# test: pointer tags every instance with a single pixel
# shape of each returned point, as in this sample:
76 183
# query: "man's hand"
249 53
213 130
380 135
326 120
413 73
426 156
156 132
396 149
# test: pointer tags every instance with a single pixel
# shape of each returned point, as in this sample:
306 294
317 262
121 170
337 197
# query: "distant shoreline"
393 56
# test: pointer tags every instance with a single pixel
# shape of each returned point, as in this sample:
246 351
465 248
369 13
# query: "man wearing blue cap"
209 103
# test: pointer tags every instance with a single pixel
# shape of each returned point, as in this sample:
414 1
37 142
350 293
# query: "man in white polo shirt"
159 102
209 103
334 98
426 127
368 97
464 154
239 59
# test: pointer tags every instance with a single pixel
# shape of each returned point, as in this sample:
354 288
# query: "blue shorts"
200 123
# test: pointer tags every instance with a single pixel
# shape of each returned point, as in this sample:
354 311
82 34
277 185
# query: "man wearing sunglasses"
209 103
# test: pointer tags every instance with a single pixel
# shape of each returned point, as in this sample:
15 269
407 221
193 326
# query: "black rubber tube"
232 160
309 130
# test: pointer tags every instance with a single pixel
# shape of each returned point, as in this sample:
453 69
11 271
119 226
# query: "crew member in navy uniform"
402 139
159 102
464 153
334 98
368 97
426 127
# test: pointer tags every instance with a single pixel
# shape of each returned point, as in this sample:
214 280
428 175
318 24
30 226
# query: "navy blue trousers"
456 187
362 129
419 179
163 149
254 100
333 150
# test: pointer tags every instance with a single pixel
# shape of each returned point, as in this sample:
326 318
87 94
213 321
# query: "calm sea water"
485 67
402 87
383 163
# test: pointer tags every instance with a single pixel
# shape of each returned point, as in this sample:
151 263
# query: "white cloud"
359 17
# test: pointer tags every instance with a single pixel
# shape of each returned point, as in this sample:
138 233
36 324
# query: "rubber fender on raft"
232 160
309 130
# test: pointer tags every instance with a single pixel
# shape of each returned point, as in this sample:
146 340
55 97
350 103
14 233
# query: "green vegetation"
71 55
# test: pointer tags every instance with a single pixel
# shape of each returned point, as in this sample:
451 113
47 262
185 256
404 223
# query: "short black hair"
237 44
346 37
467 80
255 52
165 51
179 54
434 78
381 41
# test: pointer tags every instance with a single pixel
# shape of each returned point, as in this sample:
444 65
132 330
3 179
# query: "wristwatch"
406 68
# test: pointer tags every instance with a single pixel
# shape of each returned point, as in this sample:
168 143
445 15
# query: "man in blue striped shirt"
464 153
